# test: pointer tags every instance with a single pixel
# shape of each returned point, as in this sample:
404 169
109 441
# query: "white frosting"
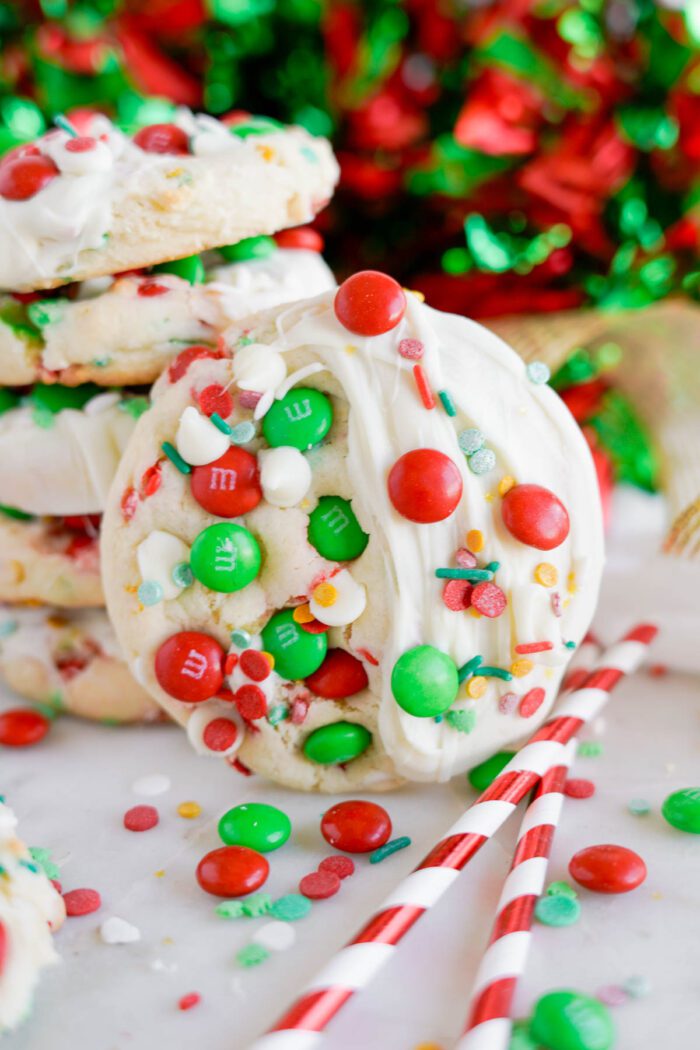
198 441
285 475
257 284
258 367
157 556
30 908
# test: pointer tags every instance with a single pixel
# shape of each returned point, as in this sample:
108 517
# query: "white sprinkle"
153 784
276 936
119 931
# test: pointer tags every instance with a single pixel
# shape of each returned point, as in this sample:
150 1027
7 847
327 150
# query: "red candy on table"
301 237
22 727
488 599
343 867
535 516
230 486
23 177
162 138
141 818
187 1002
81 902
189 666
608 869
232 871
370 303
356 826
340 675
579 788
424 485
319 885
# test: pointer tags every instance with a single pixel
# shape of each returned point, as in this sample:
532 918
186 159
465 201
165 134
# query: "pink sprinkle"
81 902
248 398
456 594
531 702
340 866
579 788
300 709
489 599
80 144
141 818
319 885
508 703
534 647
612 995
465 559
412 349
556 603
189 1000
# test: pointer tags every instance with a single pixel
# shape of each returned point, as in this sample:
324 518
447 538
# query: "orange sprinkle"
475 540
303 614
546 574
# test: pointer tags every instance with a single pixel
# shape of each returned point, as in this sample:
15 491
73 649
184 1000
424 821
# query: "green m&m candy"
334 531
297 653
682 810
55 398
483 775
424 681
336 743
301 418
190 269
256 825
225 557
569 1021
249 248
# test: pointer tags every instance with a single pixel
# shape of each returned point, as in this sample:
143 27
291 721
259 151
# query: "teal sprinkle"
182 575
561 889
134 406
229 909
43 859
291 907
251 955
240 638
8 627
245 340
65 125
590 749
392 846
175 458
309 154
473 575
538 372
636 986
470 441
437 720
277 714
557 910
496 672
468 669
482 462
256 905
447 402
493 566
639 807
42 417
30 866
570 645
150 592
220 423
463 721
242 433
101 362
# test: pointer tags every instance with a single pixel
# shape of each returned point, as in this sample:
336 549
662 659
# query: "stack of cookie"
121 257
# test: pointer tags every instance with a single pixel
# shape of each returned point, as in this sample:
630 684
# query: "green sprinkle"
639 807
134 406
240 638
256 905
251 955
220 423
8 627
42 417
182 575
482 462
438 719
175 458
291 907
65 125
468 669
483 775
278 713
229 909
496 672
12 512
242 433
569 645
43 859
447 402
557 910
392 846
46 311
493 566
463 721
590 749
561 889
473 575
470 440
150 592
30 866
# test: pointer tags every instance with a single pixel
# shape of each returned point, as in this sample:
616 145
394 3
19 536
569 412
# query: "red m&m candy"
370 303
229 486
608 869
340 675
232 871
162 138
21 727
189 666
356 826
23 177
535 516
425 485
301 237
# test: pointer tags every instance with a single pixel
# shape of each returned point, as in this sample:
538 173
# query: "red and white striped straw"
354 966
489 1025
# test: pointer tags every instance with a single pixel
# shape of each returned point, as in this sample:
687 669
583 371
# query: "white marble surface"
71 791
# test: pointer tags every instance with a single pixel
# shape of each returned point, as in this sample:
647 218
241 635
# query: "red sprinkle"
220 734
489 599
240 767
300 709
150 480
531 702
81 902
129 503
457 595
255 665
185 358
426 394
340 866
411 349
465 559
81 144
215 398
22 727
319 885
141 818
148 289
251 702
186 1002
579 788
533 647
230 662
658 670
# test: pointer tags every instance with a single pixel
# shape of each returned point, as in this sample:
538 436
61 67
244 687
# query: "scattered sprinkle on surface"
189 810
81 902
392 846
251 955
277 936
118 931
557 909
318 885
291 907
141 818
341 866
152 784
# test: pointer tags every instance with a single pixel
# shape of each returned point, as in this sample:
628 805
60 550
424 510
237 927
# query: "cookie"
49 561
70 662
374 563
78 206
31 911
123 331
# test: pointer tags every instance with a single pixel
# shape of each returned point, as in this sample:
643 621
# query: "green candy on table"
190 269
256 825
566 1020
424 681
249 248
301 418
297 653
682 810
337 743
225 557
334 531
483 775
55 398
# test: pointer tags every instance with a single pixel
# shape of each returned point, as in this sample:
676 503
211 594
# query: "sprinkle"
230 909
276 936
533 647
256 905
637 987
65 125
497 672
411 349
546 574
153 784
476 687
557 910
578 787
447 402
249 398
278 713
118 931
150 592
482 462
612 995
392 846
508 703
43 858
531 702
556 603
521 668
465 559
325 595
475 540
505 485
426 394
569 645
141 818
240 638
303 614
590 749
81 902
470 440
562 889
538 372
639 807
469 668
242 433
319 885
252 955
493 566
187 1002
473 575
175 458
463 721
456 594
291 907
489 600
182 574
189 810
341 866
220 423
